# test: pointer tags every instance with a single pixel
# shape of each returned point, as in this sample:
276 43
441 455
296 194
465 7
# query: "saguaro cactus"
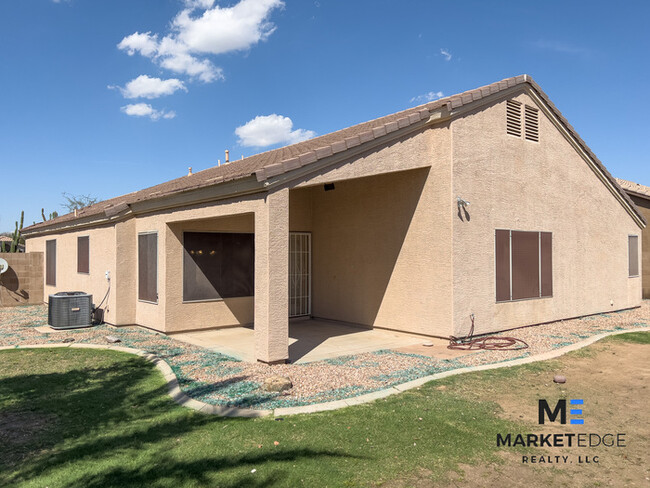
53 215
15 237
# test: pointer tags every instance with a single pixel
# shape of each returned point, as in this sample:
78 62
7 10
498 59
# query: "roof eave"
636 194
585 152
528 85
430 119
212 193
77 224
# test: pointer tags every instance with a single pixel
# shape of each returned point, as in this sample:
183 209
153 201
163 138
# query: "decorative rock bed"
220 380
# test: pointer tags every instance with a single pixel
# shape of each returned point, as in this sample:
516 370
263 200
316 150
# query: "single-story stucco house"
640 195
483 206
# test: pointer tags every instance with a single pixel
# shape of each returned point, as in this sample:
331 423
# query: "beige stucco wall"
381 253
644 206
271 277
102 244
170 314
517 184
208 314
126 272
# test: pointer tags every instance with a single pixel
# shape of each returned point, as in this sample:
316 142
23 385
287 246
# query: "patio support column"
272 279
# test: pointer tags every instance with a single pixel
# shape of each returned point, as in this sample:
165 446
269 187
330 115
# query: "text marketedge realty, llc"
561 440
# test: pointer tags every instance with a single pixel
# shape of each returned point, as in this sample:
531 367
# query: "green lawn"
88 418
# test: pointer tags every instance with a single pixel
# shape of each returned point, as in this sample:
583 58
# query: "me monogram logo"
544 411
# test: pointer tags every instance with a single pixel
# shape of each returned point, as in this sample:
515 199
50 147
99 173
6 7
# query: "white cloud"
144 43
268 130
187 64
204 4
428 97
221 30
446 54
146 110
210 31
146 87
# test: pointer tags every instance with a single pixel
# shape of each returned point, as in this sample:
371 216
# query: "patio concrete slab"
309 340
237 342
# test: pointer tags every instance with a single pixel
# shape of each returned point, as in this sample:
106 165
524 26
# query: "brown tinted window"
50 263
217 265
547 264
148 267
525 264
502 255
83 254
633 253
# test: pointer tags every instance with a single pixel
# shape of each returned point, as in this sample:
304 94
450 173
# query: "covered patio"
307 274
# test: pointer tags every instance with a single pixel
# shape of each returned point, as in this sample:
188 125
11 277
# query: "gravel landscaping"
222 380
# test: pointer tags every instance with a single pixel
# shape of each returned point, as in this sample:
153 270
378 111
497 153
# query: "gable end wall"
516 184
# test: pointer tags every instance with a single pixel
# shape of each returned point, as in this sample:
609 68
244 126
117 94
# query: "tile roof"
5 239
637 188
278 161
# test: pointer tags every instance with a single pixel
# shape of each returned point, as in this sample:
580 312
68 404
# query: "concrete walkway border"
182 399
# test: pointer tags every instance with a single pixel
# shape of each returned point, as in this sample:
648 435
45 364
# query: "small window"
148 267
83 254
217 265
50 262
531 120
524 266
513 118
633 255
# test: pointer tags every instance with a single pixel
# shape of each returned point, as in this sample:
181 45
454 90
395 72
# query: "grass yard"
88 418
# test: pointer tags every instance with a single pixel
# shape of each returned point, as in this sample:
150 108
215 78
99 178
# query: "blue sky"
105 97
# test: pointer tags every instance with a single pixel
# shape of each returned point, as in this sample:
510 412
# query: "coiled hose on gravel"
488 343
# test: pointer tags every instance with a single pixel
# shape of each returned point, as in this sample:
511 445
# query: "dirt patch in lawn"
20 433
611 377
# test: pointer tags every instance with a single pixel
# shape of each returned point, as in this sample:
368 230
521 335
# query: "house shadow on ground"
92 416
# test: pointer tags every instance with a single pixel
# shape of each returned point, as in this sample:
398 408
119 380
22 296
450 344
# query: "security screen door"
299 274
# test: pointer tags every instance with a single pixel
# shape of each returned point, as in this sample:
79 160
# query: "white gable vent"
532 123
513 118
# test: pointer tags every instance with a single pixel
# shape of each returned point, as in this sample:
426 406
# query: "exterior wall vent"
513 118
532 123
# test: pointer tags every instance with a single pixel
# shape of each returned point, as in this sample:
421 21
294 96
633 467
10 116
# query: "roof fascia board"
306 171
75 225
636 194
581 151
222 191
